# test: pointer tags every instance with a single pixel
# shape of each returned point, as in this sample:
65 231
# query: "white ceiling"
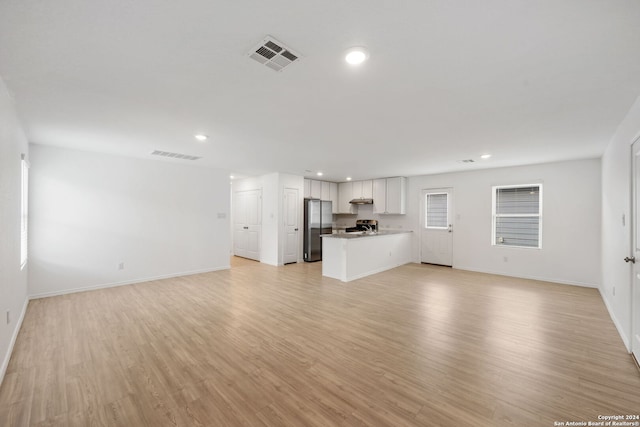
527 81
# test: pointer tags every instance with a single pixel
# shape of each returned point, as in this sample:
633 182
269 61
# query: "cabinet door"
367 189
380 196
396 195
325 192
307 188
316 189
345 193
333 190
356 190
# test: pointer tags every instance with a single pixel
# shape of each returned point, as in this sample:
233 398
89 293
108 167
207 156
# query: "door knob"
630 259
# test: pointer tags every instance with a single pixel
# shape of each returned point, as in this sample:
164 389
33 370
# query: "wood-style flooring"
282 346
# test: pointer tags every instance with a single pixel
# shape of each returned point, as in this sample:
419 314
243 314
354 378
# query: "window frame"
494 215
426 211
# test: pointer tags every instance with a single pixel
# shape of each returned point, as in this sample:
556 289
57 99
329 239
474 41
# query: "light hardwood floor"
264 346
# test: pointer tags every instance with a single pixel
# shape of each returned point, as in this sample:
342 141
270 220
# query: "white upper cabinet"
362 189
367 189
307 188
325 191
345 194
380 196
316 189
397 195
333 191
389 195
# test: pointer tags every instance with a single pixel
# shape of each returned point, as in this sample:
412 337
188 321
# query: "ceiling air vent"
466 161
273 54
174 155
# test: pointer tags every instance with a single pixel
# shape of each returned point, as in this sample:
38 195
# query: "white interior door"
635 283
247 224
291 227
436 235
239 220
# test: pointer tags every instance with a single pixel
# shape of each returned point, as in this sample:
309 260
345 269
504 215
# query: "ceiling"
526 81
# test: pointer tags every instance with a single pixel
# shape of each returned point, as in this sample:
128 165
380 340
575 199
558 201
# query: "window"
24 210
517 216
436 208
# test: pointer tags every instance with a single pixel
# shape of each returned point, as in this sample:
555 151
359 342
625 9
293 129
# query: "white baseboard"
126 282
541 279
625 339
14 336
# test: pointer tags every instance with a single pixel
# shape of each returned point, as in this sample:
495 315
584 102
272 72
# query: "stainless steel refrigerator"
317 220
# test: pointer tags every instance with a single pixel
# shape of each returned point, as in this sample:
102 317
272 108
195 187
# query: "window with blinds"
517 216
437 210
24 211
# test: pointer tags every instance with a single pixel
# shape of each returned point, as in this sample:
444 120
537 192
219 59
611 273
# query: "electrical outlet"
505 259
121 265
8 317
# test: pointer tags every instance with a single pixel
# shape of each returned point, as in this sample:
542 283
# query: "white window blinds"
517 216
437 213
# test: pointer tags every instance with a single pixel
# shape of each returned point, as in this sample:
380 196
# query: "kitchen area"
340 232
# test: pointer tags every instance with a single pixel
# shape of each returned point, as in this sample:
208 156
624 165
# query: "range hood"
361 201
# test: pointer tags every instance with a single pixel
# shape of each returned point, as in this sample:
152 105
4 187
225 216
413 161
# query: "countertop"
360 236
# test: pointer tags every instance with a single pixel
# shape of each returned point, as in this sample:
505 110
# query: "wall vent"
174 155
273 54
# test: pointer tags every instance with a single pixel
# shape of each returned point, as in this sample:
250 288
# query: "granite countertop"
359 236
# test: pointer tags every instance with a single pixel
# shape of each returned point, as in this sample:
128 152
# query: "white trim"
14 336
613 317
125 282
538 278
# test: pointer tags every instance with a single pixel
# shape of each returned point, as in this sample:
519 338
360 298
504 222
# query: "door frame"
234 201
633 227
421 202
283 233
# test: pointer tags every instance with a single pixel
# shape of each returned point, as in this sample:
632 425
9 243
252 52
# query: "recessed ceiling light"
348 178
356 55
319 174
201 137
485 156
231 176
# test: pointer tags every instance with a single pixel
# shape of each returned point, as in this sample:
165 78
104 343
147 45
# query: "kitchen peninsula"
350 256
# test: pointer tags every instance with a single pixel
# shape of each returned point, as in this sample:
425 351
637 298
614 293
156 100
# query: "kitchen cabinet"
322 190
345 194
307 188
362 189
325 191
333 192
316 189
389 195
380 196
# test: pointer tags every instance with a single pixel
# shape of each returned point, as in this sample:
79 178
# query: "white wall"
272 186
616 237
13 281
90 212
571 221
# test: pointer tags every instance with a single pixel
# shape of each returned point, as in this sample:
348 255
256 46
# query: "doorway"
635 251
436 230
247 224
